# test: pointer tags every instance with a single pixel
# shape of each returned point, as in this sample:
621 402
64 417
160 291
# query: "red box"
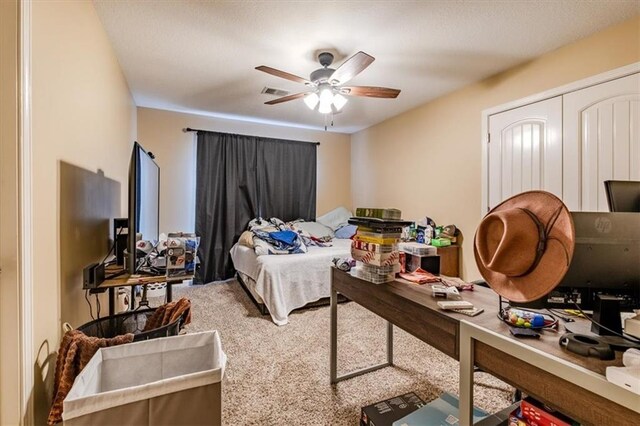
515 418
536 415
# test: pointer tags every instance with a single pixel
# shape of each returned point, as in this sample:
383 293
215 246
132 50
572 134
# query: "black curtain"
241 177
226 198
287 179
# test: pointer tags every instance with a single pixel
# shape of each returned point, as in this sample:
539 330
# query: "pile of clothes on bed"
274 236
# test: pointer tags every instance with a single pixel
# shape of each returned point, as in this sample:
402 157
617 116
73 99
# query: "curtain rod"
189 129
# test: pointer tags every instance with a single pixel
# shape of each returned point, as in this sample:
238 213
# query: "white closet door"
525 150
601 140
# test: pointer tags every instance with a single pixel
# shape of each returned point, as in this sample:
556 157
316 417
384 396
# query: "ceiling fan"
325 86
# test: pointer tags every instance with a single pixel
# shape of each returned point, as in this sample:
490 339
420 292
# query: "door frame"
547 94
18 291
25 191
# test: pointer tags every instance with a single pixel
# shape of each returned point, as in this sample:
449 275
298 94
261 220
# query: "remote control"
471 312
454 305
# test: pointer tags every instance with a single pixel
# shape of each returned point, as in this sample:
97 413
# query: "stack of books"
384 214
375 244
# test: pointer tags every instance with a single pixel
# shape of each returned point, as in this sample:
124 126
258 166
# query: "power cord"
631 339
98 305
113 245
562 317
86 297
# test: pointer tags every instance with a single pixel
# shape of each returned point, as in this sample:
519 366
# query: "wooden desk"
412 308
128 280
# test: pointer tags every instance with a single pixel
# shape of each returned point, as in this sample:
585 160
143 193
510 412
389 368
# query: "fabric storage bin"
131 322
165 381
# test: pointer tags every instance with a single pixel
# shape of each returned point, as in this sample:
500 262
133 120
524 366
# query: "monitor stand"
606 311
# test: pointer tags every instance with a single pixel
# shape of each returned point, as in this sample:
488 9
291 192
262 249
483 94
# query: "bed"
287 282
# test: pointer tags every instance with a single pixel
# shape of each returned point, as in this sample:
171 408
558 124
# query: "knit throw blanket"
75 352
168 313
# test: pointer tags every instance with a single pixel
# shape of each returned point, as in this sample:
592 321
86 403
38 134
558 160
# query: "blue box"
443 411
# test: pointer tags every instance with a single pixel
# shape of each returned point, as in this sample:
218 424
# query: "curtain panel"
287 179
242 177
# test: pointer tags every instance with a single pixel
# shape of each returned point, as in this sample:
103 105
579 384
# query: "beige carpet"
280 375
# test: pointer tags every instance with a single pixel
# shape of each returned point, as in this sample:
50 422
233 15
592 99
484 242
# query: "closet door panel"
621 130
600 141
525 150
634 141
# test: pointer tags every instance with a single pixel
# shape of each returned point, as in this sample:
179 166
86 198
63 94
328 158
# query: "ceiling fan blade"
287 98
370 91
350 68
282 74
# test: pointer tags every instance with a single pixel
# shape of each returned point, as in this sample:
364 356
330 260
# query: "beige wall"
9 312
427 161
83 115
161 132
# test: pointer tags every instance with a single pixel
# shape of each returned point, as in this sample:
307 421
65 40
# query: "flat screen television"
144 200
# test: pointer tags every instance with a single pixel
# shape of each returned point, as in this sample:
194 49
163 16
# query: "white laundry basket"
165 381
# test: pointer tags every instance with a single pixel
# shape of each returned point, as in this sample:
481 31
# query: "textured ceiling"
200 56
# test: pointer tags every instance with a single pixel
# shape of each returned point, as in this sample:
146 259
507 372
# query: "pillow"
346 231
314 229
335 218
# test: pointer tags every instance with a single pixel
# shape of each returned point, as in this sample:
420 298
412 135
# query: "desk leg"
389 343
112 300
466 377
333 359
169 292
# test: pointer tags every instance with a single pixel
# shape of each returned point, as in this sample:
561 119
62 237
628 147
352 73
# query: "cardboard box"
384 413
443 411
378 259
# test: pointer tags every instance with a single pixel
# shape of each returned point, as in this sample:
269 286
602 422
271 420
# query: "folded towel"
76 349
420 276
168 313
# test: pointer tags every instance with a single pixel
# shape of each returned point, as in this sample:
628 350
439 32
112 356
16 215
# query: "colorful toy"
525 319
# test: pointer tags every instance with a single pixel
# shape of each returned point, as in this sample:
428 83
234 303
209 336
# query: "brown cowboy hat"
523 246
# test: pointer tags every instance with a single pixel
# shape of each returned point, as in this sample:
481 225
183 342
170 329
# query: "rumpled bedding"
273 236
285 283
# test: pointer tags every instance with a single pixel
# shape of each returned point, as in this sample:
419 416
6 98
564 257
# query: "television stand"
121 278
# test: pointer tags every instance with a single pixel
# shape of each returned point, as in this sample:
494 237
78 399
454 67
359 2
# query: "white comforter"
288 282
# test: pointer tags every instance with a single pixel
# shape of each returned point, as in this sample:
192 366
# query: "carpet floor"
280 375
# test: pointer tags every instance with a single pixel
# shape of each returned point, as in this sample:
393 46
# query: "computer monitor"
623 195
607 251
604 274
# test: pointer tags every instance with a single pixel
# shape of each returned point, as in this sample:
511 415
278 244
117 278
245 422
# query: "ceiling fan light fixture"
326 99
326 96
339 101
325 108
312 100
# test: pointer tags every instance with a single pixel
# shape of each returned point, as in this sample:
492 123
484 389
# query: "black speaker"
120 235
93 275
428 263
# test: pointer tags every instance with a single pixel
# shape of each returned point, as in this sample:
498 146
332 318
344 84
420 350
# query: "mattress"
288 282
